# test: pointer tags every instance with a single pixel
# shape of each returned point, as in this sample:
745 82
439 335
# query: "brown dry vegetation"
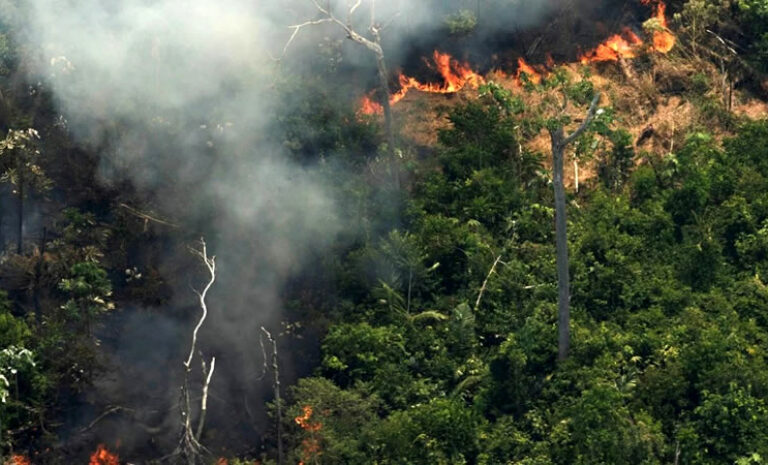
676 95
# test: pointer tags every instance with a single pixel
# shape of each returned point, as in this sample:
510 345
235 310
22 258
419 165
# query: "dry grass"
665 91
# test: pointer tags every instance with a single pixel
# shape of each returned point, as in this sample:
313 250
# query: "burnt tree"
373 44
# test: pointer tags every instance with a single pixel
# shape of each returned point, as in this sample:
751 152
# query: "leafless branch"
146 217
204 400
189 450
586 122
298 27
485 282
210 263
354 7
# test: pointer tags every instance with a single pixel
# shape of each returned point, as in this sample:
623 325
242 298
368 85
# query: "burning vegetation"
311 449
18 460
102 456
456 75
415 273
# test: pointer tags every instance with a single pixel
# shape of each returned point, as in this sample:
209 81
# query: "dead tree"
373 44
559 143
276 387
189 450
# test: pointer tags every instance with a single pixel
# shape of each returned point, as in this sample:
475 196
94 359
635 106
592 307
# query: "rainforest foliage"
437 303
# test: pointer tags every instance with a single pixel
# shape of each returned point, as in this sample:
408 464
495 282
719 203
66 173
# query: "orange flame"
304 423
456 75
310 447
617 46
627 43
663 40
18 460
523 67
370 107
103 456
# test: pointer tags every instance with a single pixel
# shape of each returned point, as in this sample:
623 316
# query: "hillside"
482 233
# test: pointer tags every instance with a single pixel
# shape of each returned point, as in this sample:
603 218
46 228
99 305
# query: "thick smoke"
178 98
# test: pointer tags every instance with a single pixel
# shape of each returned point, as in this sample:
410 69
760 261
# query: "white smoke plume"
178 97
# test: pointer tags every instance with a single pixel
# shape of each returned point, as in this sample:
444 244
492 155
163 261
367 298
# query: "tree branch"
485 283
189 450
210 263
585 123
204 400
297 27
147 217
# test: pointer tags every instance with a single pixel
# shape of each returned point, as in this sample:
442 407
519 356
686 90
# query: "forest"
445 232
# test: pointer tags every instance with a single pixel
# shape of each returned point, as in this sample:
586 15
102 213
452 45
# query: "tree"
559 143
19 148
189 449
373 44
555 86
90 290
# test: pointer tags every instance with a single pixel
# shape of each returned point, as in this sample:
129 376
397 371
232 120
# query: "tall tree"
20 155
559 143
373 44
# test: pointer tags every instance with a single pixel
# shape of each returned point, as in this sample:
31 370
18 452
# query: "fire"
523 67
370 107
627 43
457 75
663 40
103 456
18 460
304 420
624 45
310 447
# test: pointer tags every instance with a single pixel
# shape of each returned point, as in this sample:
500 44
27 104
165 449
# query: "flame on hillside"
310 446
102 456
18 460
368 106
457 75
624 45
531 74
663 39
627 44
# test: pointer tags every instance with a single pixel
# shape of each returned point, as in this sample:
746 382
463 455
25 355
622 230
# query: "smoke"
178 97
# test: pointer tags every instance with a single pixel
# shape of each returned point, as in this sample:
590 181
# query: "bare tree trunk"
38 276
561 243
388 125
189 449
559 143
20 216
2 222
278 402
374 45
